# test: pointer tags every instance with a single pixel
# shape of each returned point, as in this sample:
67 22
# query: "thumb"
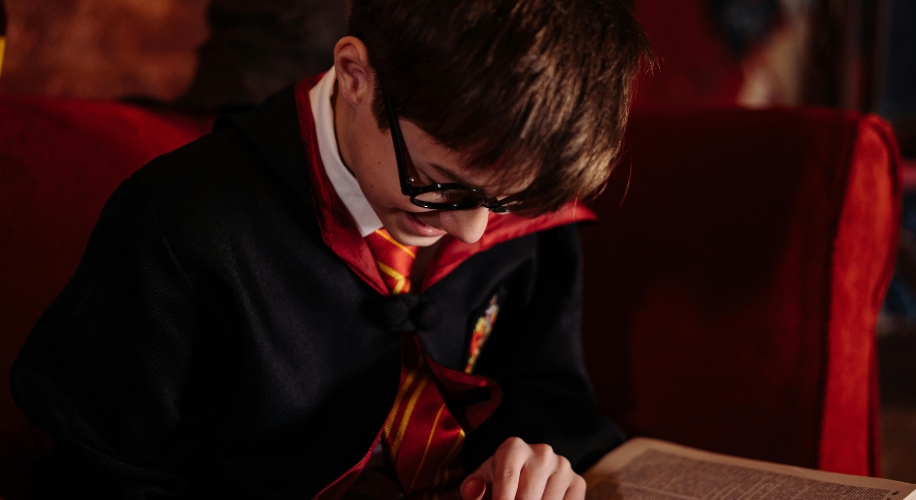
475 485
473 488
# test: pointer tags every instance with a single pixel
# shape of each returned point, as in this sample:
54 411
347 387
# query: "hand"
526 472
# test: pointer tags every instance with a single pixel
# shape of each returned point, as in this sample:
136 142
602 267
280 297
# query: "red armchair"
730 303
60 160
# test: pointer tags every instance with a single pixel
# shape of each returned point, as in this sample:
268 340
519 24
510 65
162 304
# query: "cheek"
374 165
378 177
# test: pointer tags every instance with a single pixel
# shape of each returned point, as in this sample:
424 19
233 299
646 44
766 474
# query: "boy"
334 294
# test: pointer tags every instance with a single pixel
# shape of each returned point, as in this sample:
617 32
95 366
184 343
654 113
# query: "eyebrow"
456 179
449 175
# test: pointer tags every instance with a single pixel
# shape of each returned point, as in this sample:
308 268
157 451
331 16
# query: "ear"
355 76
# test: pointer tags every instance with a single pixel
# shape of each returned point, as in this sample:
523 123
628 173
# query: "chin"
408 230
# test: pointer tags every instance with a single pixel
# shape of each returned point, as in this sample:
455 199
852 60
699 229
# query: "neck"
421 264
343 114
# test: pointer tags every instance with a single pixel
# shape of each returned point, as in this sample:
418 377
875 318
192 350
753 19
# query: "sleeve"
104 369
534 354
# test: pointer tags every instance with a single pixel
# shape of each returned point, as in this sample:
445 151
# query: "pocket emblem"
482 330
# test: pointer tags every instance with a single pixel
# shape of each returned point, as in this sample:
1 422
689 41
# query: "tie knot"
394 260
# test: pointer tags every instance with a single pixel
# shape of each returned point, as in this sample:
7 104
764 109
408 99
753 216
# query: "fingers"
508 461
576 489
518 471
473 488
564 483
541 465
474 485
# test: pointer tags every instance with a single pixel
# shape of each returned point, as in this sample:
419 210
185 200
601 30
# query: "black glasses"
436 196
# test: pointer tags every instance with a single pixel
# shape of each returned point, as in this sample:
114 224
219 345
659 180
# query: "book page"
648 469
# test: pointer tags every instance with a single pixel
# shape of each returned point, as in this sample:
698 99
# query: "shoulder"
246 179
217 173
244 154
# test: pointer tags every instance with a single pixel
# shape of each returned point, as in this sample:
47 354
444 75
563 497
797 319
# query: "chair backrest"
730 303
60 160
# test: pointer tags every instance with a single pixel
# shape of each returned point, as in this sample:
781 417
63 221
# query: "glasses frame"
476 197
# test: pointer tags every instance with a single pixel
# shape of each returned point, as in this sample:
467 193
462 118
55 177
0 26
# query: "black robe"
211 345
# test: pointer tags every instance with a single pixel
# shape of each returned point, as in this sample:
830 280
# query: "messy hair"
537 89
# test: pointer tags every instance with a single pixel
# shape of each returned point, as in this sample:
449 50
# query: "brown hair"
543 85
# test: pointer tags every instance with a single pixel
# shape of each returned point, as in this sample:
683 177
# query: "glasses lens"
459 198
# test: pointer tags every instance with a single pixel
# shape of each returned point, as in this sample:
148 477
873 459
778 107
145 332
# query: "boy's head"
529 97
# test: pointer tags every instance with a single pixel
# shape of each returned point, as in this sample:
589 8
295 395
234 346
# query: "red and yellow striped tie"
394 260
422 438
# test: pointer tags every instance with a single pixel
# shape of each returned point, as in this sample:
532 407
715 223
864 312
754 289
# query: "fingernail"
473 489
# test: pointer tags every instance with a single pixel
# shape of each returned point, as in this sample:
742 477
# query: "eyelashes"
422 178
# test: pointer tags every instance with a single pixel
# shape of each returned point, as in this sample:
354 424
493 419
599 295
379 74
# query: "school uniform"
227 333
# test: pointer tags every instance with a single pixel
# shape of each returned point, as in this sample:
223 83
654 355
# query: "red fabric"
479 396
422 438
396 258
863 262
500 228
730 304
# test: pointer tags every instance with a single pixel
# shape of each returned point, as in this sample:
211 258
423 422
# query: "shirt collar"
345 184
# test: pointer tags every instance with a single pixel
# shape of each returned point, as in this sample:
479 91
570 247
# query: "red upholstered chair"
60 160
729 304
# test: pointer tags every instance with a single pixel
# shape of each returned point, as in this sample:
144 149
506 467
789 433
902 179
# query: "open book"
649 469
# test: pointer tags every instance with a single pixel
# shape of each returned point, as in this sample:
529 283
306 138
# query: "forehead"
434 158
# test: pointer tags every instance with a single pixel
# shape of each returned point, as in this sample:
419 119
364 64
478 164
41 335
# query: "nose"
466 225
